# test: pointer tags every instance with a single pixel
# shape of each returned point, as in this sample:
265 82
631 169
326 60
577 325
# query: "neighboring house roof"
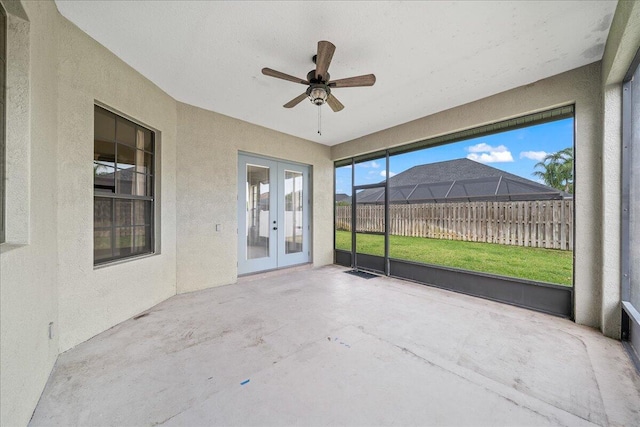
342 197
459 180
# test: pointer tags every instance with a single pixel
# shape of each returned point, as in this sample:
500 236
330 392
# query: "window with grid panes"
123 188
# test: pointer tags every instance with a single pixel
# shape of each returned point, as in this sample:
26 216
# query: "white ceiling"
427 56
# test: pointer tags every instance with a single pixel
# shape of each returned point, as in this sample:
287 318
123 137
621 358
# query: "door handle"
275 228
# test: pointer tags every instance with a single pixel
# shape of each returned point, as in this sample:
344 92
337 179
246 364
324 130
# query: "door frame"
277 232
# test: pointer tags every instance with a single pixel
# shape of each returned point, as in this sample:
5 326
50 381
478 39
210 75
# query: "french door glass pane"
257 211
293 211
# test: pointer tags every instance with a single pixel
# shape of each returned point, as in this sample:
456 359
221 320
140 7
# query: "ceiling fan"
318 80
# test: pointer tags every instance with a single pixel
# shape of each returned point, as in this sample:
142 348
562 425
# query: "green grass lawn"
542 265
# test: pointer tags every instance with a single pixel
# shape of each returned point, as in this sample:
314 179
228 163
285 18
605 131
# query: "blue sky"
515 151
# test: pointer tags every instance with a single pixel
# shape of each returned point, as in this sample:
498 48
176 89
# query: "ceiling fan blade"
334 103
366 80
323 59
278 75
295 101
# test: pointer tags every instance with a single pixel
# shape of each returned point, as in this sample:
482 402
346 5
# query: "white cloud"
485 153
384 174
492 157
486 148
533 155
372 164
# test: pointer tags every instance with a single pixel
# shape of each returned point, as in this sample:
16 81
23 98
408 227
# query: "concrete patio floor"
321 347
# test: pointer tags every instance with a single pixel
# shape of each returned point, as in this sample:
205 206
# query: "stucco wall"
28 272
46 271
207 189
92 300
622 43
580 86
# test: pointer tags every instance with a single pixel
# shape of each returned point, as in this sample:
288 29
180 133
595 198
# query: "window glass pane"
293 211
104 152
133 183
144 139
258 226
124 212
142 212
142 239
148 163
124 241
102 212
141 185
102 245
126 157
126 132
370 172
343 208
104 125
125 181
143 162
148 140
104 177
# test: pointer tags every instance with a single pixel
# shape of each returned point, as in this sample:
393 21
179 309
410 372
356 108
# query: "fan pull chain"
320 120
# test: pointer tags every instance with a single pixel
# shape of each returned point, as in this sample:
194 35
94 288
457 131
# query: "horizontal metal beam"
547 298
343 258
544 297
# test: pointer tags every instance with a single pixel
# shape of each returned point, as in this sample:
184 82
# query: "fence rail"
538 224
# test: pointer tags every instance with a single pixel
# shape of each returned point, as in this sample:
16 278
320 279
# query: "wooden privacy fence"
538 224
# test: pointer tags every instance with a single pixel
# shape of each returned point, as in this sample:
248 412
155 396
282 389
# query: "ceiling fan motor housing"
311 76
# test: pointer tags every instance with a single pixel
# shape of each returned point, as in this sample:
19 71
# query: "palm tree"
557 170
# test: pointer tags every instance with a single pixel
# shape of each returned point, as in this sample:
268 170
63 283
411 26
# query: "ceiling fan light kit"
318 94
318 80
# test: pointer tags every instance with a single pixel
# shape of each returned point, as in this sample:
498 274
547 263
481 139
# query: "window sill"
124 260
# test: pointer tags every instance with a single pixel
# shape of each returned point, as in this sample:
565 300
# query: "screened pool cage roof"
495 188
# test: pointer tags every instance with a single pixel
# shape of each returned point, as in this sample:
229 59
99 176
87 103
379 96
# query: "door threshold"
248 277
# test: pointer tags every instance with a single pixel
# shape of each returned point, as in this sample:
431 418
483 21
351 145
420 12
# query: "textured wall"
92 300
28 273
58 73
207 189
622 44
580 86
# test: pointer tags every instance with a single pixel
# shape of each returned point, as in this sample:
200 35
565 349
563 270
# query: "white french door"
273 214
